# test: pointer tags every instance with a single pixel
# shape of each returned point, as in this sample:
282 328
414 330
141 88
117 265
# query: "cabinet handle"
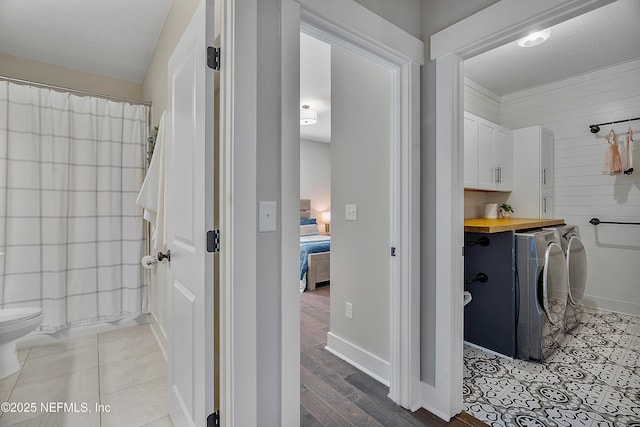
544 202
544 176
500 175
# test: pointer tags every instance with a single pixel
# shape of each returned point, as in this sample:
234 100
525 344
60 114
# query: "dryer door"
555 289
577 261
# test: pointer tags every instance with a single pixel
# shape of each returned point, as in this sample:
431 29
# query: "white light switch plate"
267 217
351 212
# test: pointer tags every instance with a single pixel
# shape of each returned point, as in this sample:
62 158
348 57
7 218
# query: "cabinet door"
546 204
486 165
470 151
546 157
503 157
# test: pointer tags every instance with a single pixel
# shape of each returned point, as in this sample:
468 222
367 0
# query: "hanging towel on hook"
612 161
151 196
628 157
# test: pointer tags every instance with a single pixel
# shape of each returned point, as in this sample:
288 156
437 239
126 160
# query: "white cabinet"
532 195
470 151
488 156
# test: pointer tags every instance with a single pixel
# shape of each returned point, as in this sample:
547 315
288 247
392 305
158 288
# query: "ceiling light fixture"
534 39
308 116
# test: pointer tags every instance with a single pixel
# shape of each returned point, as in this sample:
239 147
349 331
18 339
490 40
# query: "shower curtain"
70 170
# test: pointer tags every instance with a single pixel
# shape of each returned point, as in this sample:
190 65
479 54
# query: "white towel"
152 192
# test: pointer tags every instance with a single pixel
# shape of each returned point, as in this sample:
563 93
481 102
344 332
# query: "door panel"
189 201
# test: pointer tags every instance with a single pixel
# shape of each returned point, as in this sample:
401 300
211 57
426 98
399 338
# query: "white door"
190 275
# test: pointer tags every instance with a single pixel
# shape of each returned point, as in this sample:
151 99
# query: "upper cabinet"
488 155
533 161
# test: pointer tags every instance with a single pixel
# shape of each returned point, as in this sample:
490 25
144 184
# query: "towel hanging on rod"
628 157
612 161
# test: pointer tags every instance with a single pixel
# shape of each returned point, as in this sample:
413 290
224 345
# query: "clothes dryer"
542 277
569 237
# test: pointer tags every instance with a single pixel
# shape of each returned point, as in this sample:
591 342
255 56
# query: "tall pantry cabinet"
532 173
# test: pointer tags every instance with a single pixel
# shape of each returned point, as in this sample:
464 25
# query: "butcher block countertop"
490 225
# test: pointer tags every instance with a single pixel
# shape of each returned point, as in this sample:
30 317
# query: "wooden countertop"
491 225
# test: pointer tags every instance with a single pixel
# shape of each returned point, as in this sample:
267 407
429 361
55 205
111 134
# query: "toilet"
15 323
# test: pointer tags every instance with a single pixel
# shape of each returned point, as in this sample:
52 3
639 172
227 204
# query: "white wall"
402 13
567 107
360 168
315 176
436 15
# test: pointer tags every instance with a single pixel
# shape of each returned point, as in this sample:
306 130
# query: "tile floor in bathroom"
122 370
592 380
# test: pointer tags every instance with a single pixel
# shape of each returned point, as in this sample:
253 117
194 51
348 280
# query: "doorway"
361 186
448 48
402 58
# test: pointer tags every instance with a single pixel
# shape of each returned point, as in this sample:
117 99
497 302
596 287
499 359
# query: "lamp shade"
308 116
326 216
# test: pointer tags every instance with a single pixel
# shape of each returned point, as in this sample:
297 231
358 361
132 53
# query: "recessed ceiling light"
534 39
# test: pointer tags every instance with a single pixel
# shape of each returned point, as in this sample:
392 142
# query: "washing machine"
569 237
542 282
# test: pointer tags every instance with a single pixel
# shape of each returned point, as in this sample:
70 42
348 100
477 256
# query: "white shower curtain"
70 170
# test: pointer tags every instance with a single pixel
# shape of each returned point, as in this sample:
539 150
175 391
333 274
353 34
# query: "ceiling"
606 36
114 38
315 86
601 38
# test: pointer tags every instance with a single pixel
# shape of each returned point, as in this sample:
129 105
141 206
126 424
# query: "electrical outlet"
349 310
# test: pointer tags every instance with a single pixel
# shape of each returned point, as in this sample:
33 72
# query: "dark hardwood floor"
334 393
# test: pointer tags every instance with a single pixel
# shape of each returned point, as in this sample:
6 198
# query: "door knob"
166 256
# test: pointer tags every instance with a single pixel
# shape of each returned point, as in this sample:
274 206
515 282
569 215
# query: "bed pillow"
309 229
307 221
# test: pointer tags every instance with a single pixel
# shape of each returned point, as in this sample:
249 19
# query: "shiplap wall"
567 107
481 101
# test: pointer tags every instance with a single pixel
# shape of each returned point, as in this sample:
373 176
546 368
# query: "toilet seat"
9 316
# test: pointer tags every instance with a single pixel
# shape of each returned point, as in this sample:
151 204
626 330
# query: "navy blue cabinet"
490 275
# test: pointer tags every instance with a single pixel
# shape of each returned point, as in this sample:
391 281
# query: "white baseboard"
624 307
359 358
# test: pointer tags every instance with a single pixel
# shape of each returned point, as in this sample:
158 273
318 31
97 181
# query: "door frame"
449 47
357 29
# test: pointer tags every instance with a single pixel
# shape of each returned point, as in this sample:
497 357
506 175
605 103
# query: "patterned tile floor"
593 379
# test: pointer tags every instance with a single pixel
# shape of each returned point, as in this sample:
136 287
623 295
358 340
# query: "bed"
314 250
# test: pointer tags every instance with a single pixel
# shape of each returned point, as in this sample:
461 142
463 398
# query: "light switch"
351 212
267 217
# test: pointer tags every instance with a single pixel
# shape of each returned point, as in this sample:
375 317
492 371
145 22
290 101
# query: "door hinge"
213 58
213 420
213 241
393 251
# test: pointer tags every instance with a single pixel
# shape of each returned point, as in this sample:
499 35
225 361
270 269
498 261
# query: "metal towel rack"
596 221
596 128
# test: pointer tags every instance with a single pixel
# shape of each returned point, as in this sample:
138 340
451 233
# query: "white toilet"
15 323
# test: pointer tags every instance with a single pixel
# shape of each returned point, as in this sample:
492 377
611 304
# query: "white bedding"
314 238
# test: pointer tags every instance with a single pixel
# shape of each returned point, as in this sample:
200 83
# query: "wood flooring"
334 393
